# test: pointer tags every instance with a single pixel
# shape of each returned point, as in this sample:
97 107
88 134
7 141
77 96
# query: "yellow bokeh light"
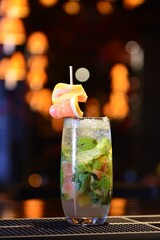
72 7
104 7
37 43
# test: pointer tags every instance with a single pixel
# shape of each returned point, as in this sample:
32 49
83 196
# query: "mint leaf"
101 190
82 181
86 143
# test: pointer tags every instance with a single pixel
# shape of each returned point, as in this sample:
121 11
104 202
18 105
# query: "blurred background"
118 43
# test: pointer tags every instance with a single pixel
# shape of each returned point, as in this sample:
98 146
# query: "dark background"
96 42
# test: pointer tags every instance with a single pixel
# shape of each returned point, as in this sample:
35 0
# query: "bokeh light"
57 124
118 206
13 69
72 7
82 74
36 62
104 7
35 99
33 208
48 3
36 79
131 4
37 43
118 107
35 180
132 47
92 108
130 176
14 8
12 31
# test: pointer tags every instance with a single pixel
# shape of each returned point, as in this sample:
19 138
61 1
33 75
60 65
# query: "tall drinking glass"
86 170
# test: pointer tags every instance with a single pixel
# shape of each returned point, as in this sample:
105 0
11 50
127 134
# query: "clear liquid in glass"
86 170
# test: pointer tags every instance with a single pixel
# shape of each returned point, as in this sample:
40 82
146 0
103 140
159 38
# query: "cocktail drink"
86 170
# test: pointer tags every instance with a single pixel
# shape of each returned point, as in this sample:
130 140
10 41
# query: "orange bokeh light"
4 65
72 7
12 31
92 108
118 206
120 84
13 68
35 99
33 208
131 4
104 7
48 3
57 124
119 69
14 8
36 79
37 43
118 107
37 62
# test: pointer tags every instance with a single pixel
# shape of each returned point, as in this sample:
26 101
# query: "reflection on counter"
118 206
38 208
33 208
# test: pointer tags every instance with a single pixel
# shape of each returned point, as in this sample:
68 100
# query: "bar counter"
134 214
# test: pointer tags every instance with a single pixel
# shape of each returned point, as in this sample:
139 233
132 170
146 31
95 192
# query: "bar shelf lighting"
48 3
14 8
13 69
37 43
12 31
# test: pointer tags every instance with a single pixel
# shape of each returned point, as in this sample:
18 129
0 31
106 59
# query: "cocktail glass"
86 170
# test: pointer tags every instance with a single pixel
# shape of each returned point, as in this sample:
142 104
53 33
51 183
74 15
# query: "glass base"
86 220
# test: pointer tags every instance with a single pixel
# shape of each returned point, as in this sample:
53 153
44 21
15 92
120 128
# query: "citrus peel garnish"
65 98
63 91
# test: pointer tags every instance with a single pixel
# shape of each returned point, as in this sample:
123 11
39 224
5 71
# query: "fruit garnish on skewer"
66 98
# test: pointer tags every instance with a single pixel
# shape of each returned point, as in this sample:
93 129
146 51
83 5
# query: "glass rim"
70 122
81 118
